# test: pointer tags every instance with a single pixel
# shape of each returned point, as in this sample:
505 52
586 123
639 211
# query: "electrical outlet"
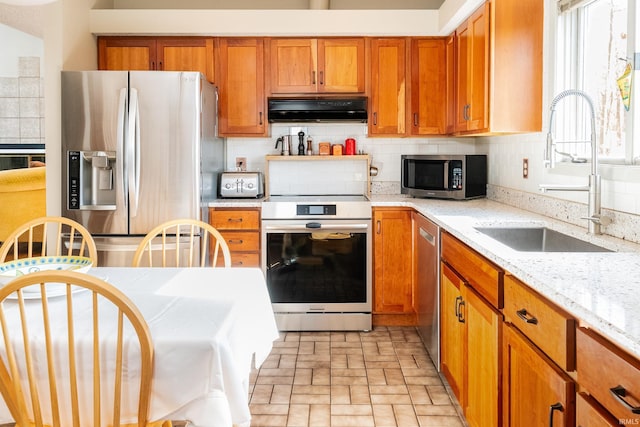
241 163
525 168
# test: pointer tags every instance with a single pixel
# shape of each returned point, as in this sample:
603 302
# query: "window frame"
569 56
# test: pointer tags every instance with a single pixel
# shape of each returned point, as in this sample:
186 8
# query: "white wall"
21 44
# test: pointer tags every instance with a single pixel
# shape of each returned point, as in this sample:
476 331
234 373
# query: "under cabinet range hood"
283 110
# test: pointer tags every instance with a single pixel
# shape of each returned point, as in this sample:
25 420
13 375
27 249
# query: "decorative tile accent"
624 226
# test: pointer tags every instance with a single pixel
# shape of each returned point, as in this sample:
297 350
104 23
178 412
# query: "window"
592 52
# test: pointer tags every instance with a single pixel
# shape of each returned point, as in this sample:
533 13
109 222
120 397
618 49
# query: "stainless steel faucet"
595 217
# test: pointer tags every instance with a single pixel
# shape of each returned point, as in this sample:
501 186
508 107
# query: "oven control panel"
315 209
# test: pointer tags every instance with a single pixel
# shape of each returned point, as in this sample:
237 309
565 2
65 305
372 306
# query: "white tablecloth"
207 325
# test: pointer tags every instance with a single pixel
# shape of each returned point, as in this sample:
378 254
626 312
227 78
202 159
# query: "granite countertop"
601 289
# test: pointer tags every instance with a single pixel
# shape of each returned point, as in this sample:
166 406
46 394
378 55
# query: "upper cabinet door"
127 53
242 103
428 87
317 65
186 54
294 65
388 87
157 53
341 65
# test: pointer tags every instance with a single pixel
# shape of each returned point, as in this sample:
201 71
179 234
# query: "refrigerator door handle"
133 152
121 136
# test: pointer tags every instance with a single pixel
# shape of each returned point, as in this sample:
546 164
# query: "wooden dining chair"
161 248
57 369
49 236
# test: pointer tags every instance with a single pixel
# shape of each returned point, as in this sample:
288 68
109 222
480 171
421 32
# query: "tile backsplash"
22 104
385 152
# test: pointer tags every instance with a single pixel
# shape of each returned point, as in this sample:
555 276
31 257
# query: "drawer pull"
234 220
235 242
525 316
555 407
620 393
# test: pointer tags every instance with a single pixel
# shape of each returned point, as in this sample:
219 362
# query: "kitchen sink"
539 239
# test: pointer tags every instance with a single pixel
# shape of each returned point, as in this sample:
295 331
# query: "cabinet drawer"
482 275
549 327
242 241
243 259
234 219
605 372
590 414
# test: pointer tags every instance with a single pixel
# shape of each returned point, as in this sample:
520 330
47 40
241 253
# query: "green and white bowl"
12 269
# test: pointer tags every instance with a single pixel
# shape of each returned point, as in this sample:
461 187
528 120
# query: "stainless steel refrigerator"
139 148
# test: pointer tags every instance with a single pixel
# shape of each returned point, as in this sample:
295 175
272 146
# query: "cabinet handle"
375 119
378 225
153 65
321 77
260 118
234 220
160 65
458 300
555 407
465 112
415 119
527 317
235 242
461 313
313 77
620 393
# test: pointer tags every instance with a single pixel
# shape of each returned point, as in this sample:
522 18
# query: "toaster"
234 185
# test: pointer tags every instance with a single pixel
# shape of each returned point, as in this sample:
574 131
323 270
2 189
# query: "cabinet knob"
555 407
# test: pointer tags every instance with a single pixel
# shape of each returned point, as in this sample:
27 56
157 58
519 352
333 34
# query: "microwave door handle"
446 175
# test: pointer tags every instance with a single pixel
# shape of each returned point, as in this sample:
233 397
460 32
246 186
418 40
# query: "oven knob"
250 185
227 186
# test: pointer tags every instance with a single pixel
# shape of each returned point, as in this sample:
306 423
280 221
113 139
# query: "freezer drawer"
119 251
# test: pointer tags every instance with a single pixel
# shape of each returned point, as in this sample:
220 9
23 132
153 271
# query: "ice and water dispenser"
91 177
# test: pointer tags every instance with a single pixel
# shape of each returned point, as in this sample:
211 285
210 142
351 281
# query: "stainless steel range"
317 259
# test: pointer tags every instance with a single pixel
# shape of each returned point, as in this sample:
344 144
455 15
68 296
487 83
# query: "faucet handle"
599 219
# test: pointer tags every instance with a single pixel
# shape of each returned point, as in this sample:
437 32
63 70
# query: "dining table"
210 327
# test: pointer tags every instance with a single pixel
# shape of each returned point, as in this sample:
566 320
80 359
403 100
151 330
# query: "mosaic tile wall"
22 105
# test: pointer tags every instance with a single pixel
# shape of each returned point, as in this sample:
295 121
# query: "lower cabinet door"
535 391
452 331
589 413
484 328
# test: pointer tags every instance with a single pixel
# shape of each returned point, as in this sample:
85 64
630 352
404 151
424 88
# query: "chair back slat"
31 375
175 244
44 237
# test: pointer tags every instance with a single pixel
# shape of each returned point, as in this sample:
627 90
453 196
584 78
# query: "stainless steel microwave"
456 176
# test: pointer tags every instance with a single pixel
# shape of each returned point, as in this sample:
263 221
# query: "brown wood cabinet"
157 53
536 391
590 413
498 62
450 83
240 77
546 325
387 115
241 231
327 65
428 87
609 375
393 294
472 70
471 331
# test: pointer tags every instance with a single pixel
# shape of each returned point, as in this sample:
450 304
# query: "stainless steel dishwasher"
427 243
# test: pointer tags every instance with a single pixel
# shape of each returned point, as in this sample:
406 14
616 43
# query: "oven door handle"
317 225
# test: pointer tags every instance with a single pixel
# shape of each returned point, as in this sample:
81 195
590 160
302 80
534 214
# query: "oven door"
318 266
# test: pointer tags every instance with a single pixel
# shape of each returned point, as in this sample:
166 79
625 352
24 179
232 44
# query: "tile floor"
382 378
